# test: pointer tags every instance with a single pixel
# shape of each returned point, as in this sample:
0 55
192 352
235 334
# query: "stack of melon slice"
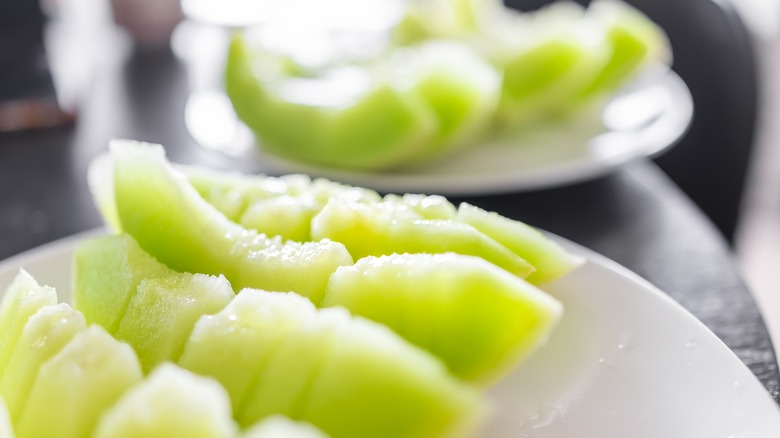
188 323
451 73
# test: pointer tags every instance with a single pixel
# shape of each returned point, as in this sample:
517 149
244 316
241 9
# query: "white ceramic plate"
627 361
643 120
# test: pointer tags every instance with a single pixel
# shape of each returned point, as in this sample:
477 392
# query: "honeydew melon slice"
75 386
6 428
480 320
232 193
360 379
278 426
289 216
169 220
284 216
163 311
170 402
634 41
308 119
148 305
549 258
45 334
23 297
107 272
427 206
543 79
283 384
234 345
457 84
411 106
386 228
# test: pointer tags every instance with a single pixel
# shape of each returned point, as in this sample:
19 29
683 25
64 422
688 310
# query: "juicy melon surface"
141 301
480 320
170 402
46 332
277 354
75 386
169 219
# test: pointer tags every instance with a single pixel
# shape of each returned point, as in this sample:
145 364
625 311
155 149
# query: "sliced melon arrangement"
395 334
450 74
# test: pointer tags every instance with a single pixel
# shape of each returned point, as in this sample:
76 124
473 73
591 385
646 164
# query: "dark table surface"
635 216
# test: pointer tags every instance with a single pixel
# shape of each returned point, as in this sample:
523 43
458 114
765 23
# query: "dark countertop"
635 216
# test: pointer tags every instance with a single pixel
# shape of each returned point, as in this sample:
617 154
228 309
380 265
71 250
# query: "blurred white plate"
627 361
643 120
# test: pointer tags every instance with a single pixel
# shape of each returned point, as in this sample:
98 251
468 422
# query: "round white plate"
643 120
626 361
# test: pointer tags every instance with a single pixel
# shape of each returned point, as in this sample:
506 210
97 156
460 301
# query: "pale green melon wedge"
634 41
278 426
170 402
480 320
163 311
359 380
378 229
234 345
459 86
283 384
165 214
23 297
107 272
141 301
284 216
375 384
542 79
427 206
6 428
550 259
45 334
232 192
371 126
75 386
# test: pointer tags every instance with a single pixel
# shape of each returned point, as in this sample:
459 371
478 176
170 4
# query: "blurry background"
727 51
757 240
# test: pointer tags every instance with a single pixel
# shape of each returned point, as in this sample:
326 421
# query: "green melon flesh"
150 306
429 207
23 297
232 192
234 345
549 258
169 219
276 354
541 80
380 128
162 313
634 41
281 427
478 319
171 402
107 272
45 334
418 102
75 386
6 428
378 229
460 87
284 216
